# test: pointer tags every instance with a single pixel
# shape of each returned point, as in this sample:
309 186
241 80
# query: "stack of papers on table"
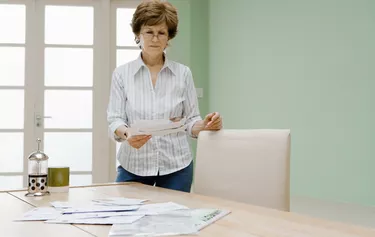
159 127
128 216
100 202
182 222
119 201
110 219
40 214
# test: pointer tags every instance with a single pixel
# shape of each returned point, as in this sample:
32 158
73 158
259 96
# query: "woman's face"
154 39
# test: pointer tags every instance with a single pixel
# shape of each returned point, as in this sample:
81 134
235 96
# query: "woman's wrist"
122 132
198 126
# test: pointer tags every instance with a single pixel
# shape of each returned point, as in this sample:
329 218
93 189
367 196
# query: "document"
40 214
160 208
189 222
157 209
204 217
63 205
92 215
99 220
99 209
119 201
159 127
159 225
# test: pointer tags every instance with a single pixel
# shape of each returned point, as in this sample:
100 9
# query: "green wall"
199 50
299 64
190 47
307 65
199 53
180 47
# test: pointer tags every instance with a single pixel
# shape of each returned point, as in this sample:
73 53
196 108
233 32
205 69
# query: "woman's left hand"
213 121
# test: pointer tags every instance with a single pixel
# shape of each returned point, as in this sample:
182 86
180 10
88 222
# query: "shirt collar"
139 64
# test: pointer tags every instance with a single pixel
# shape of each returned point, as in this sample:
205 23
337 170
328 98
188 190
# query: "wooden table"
245 220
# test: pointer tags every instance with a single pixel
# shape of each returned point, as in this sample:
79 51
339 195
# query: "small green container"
58 179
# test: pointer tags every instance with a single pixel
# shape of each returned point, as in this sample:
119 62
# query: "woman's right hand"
138 141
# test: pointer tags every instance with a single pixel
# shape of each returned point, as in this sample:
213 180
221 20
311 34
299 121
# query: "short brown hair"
154 12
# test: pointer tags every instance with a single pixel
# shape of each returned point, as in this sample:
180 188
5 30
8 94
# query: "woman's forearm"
198 126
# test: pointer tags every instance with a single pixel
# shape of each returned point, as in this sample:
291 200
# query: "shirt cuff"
113 128
190 128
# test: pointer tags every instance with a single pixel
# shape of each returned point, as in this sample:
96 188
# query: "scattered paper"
40 214
160 208
205 217
109 220
128 216
120 201
99 209
93 215
64 205
159 225
61 204
146 209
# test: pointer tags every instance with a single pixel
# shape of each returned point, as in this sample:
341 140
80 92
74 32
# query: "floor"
342 212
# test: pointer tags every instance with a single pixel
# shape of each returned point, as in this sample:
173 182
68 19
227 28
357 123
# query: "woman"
153 87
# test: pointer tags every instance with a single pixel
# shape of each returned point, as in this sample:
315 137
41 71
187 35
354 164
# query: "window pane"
12 160
125 35
126 55
68 67
80 179
12 23
11 182
68 109
12 66
12 107
69 149
69 25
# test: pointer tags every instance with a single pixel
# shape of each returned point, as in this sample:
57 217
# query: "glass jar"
37 173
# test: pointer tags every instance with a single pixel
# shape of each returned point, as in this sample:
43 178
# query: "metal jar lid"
38 155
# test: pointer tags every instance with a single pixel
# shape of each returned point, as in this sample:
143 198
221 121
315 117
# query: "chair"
250 166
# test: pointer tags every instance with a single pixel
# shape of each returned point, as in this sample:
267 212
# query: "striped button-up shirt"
133 97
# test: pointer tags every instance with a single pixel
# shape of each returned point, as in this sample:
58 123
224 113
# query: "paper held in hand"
159 127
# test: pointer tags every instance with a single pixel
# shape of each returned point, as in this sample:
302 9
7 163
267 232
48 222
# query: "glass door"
15 99
53 66
65 101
